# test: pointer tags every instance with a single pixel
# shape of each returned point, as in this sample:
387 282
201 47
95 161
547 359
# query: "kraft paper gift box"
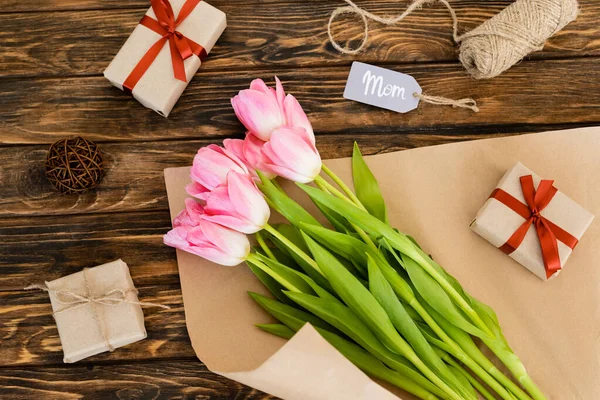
158 88
497 223
88 328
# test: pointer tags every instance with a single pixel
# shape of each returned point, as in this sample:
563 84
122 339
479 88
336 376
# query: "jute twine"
494 46
76 300
491 48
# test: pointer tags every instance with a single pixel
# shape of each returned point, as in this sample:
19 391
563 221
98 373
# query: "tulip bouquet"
369 290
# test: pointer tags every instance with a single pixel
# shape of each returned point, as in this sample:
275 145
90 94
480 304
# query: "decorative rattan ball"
74 165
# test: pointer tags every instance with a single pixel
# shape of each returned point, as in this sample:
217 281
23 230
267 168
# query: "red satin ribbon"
182 47
547 231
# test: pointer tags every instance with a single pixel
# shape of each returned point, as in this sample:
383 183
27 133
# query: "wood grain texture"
177 379
134 174
541 92
47 248
29 334
290 34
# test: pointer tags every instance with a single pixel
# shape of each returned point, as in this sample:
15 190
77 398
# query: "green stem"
344 187
511 360
478 386
454 349
323 184
264 247
298 251
254 260
328 188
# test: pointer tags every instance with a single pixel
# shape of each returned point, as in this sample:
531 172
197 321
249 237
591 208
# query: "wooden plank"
14 6
46 248
29 334
541 92
281 34
134 178
177 379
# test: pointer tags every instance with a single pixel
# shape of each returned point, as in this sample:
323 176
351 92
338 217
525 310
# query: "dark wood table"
52 54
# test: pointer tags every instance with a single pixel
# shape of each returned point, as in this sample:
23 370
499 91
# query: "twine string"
76 300
492 47
468 103
365 15
352 8
488 50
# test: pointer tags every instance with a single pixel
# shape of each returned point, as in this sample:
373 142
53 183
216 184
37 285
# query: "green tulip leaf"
277 330
288 315
269 282
431 291
385 295
283 204
366 186
342 318
285 276
357 297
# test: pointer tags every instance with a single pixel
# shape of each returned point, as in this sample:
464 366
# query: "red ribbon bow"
182 47
547 231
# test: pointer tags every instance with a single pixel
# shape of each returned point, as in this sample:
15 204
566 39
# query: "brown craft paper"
83 328
496 222
158 88
433 194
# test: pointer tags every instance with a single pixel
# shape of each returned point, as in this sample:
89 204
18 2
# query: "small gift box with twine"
533 222
165 50
96 310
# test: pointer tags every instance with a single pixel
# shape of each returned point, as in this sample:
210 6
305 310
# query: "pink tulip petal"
235 146
295 116
229 241
286 173
280 94
183 219
218 202
247 199
196 190
215 255
177 237
290 149
236 223
261 86
258 112
251 148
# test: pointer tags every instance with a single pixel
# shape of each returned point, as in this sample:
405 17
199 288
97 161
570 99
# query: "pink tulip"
249 151
210 168
291 153
238 205
194 234
263 109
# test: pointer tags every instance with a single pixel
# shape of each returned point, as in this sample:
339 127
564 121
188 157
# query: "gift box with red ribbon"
533 222
165 50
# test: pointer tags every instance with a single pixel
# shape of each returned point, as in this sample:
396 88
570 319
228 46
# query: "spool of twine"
494 46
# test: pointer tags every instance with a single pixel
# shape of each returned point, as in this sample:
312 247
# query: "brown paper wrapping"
158 89
496 223
81 333
433 194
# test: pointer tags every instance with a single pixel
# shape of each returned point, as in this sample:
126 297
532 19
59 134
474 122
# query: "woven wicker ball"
74 165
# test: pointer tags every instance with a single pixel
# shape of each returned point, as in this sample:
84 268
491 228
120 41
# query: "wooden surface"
52 54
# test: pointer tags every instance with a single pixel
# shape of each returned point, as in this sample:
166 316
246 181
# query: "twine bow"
76 300
548 232
181 46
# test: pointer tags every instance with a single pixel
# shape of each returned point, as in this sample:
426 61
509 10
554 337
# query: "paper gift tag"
382 88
